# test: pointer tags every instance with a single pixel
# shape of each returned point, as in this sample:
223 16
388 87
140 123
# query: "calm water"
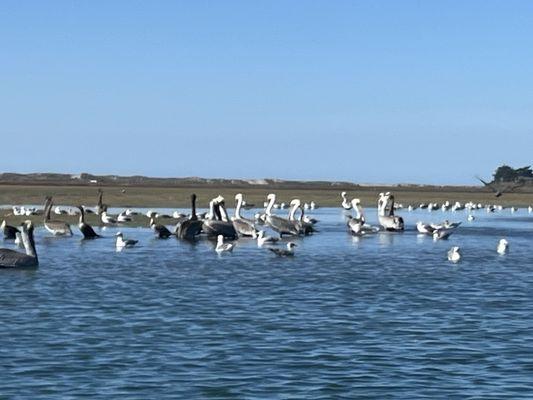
383 317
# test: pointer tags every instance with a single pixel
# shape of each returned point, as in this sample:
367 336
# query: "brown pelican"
10 232
189 228
305 228
289 252
357 224
498 192
345 203
14 259
86 229
223 247
386 216
122 243
243 226
281 225
161 231
100 207
217 223
53 226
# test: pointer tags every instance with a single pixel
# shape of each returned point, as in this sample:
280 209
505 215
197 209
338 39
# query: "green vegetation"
506 173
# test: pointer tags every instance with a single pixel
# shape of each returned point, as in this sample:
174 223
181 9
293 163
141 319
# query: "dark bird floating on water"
500 191
289 252
10 232
86 229
14 259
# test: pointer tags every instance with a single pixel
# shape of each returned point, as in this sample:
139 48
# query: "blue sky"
375 91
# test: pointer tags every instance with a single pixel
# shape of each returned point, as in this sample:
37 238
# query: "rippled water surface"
382 317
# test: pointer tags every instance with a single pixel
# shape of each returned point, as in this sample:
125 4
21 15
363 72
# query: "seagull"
426 229
289 252
223 247
503 247
454 255
121 243
442 234
107 219
262 239
123 217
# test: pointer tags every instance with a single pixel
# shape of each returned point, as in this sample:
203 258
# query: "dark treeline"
506 173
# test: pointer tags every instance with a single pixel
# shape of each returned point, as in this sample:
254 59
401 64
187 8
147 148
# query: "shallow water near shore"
379 317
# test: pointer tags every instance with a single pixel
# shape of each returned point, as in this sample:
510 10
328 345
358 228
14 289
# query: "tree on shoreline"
506 173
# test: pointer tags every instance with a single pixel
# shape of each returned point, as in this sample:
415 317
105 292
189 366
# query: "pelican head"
295 203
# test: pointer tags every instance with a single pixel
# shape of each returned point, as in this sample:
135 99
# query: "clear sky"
366 91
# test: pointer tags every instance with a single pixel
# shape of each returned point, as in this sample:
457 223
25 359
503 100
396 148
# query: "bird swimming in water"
262 239
122 243
288 252
14 259
503 247
10 232
454 254
223 247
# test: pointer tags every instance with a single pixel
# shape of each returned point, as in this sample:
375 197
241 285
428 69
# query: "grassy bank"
179 197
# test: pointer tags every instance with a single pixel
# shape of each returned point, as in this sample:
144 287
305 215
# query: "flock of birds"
217 224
